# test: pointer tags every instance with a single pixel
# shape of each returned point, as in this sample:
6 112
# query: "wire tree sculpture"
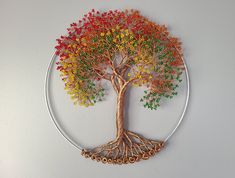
126 49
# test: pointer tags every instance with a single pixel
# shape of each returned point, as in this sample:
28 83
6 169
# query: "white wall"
30 145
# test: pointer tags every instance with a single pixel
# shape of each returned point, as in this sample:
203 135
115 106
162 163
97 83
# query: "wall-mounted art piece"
125 49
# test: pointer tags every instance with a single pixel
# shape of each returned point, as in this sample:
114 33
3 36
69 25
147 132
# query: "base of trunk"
128 148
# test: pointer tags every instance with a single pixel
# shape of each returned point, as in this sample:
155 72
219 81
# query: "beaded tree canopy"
126 49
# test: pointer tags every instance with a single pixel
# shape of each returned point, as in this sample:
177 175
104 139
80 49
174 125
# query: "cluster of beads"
150 56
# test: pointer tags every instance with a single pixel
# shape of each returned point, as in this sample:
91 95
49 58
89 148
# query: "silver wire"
65 135
185 105
48 103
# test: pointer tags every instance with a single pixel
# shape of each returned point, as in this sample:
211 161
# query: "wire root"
129 148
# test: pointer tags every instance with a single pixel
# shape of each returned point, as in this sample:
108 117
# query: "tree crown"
122 47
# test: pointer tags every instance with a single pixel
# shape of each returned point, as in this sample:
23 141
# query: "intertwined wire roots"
128 148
